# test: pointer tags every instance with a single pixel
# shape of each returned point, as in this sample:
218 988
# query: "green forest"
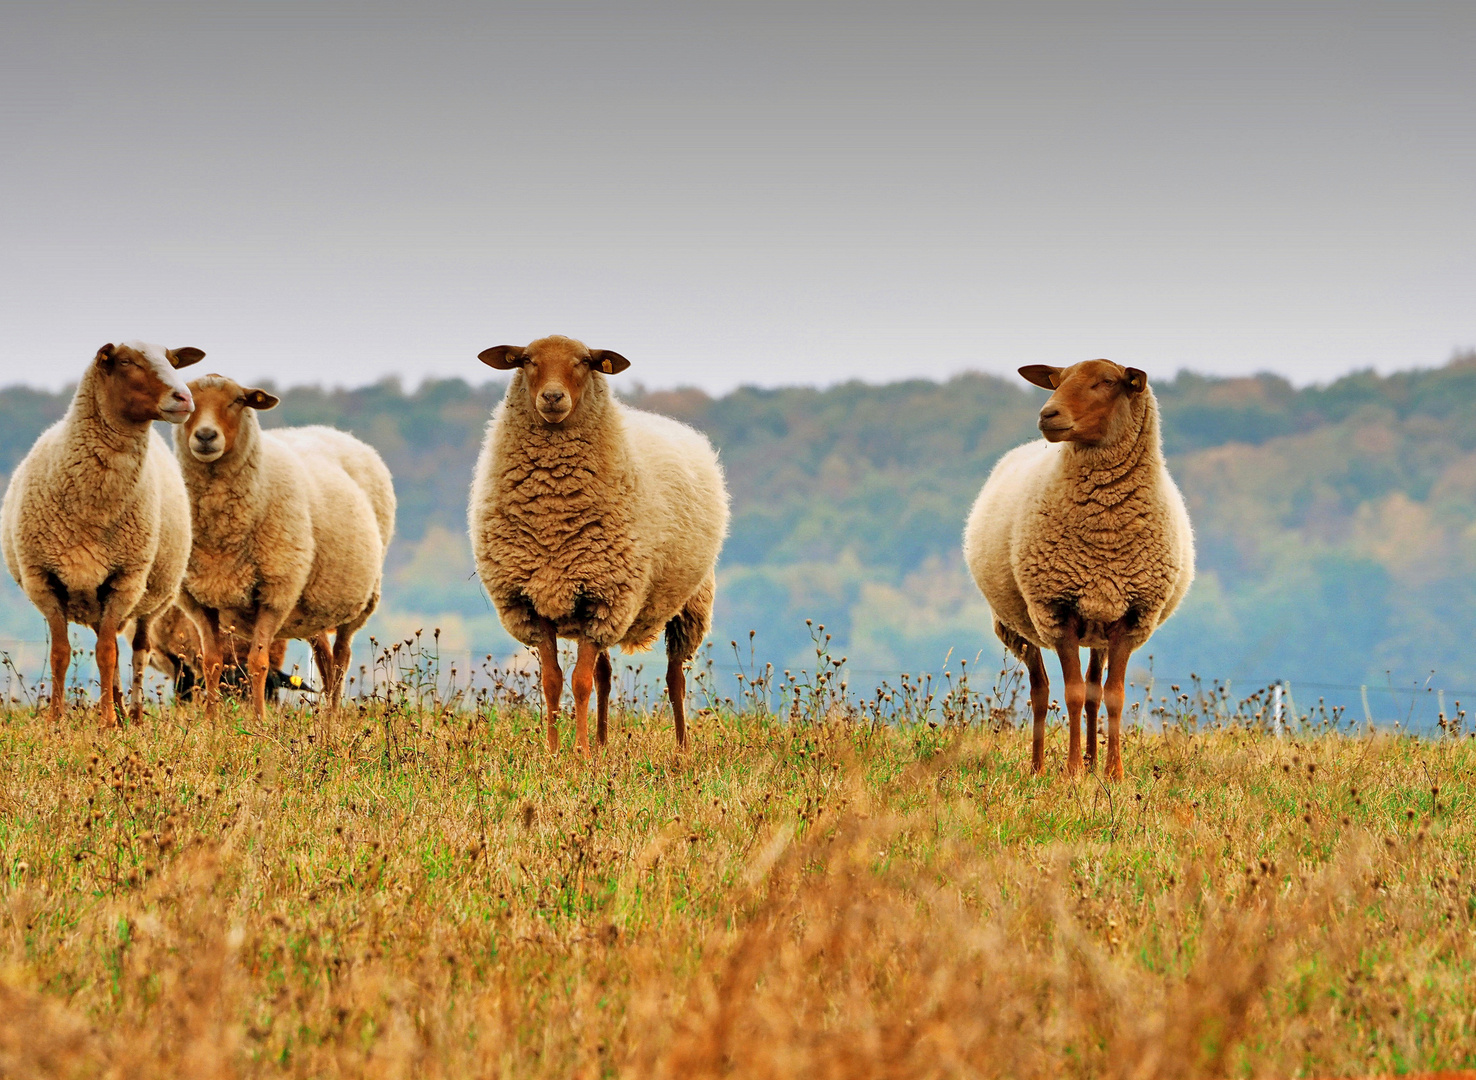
1336 524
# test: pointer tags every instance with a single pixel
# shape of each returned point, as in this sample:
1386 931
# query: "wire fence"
956 688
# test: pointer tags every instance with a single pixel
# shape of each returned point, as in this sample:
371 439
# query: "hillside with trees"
1336 525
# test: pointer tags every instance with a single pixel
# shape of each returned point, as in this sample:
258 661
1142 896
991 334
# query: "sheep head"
220 410
556 372
1092 403
141 384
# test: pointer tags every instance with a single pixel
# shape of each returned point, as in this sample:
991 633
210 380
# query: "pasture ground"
407 892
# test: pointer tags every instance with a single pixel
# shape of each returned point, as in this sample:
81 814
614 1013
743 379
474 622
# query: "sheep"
291 531
95 526
175 651
594 521
1082 540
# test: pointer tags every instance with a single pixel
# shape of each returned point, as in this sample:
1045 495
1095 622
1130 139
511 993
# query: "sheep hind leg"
1040 702
343 659
603 672
1113 695
1093 700
684 633
1074 688
582 683
140 662
552 677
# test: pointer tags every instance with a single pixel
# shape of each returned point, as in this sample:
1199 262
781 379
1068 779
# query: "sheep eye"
239 401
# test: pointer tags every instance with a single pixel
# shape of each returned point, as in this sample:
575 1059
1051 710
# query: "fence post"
1276 708
1367 715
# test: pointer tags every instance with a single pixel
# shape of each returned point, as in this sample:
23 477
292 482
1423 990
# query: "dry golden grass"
412 893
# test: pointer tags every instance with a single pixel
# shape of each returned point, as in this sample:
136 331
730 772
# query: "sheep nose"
206 435
182 397
552 397
1050 412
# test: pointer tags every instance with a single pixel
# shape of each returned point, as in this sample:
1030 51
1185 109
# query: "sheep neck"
220 491
109 452
1099 470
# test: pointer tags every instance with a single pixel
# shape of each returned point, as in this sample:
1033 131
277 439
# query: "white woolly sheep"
1082 540
95 525
291 531
594 521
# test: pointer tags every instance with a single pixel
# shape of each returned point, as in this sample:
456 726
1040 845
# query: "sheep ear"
260 399
1137 381
1041 375
611 363
186 356
503 357
104 357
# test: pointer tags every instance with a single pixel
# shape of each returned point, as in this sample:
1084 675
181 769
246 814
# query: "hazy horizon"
337 192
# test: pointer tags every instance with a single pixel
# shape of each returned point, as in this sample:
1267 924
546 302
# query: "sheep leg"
582 683
676 689
1040 702
343 658
107 668
553 682
1113 694
211 656
258 660
54 608
140 661
1094 698
1069 652
602 689
323 658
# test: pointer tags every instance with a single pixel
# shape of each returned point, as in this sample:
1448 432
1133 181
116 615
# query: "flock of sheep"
589 521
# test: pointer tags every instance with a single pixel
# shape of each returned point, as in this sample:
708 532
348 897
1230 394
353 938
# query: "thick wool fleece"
282 523
1100 531
92 505
609 525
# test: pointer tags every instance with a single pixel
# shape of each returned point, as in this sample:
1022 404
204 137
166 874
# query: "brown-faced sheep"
594 521
1082 540
291 531
95 525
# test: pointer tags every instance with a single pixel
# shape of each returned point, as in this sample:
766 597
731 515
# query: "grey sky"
745 192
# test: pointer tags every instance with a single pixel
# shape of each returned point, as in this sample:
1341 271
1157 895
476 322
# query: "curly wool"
1101 532
92 505
608 525
296 520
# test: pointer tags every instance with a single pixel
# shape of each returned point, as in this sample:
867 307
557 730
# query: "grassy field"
416 891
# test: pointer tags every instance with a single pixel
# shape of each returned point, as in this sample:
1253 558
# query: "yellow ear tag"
607 367
1055 381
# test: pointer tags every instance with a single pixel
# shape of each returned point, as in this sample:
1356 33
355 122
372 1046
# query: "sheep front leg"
1040 702
1093 700
1114 695
258 661
553 682
1069 651
582 684
602 690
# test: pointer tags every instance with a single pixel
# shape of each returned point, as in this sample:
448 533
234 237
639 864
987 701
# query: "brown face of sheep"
1092 400
220 405
556 372
141 384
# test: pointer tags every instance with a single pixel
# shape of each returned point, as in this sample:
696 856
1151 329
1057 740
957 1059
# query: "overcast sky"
742 192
